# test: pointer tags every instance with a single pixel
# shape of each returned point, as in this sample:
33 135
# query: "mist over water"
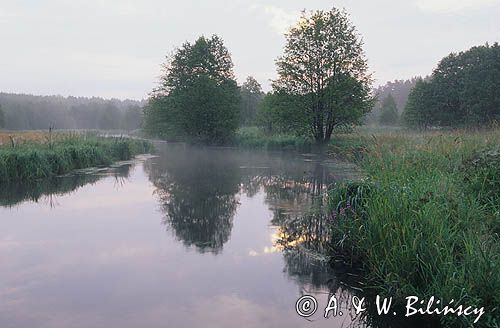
196 237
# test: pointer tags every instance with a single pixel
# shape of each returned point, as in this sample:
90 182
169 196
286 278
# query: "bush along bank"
425 222
37 160
256 138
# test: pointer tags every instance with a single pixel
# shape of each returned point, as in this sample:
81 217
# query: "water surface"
195 237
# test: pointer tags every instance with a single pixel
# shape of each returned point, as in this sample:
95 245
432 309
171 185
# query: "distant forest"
28 112
399 90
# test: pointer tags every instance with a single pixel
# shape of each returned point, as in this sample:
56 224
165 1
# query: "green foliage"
482 176
32 161
323 72
348 149
425 222
158 120
281 112
463 91
254 137
199 99
251 97
207 56
204 112
389 111
399 89
418 110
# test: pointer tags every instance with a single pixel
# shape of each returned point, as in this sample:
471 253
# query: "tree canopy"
198 99
324 72
389 111
462 91
399 89
251 96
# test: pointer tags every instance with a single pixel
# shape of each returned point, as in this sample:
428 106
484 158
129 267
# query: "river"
193 237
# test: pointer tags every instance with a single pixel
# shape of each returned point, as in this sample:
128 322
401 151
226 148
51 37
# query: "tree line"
391 99
29 112
463 91
323 81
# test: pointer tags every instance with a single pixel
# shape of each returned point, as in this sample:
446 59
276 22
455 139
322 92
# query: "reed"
426 221
32 160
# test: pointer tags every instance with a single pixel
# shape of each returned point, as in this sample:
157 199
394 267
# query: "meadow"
9 137
426 219
28 156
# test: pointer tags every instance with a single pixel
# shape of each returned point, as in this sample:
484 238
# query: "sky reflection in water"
187 239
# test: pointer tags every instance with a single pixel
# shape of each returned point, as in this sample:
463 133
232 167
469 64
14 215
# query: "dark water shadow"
15 193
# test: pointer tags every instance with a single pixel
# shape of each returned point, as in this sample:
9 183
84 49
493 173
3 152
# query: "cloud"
446 6
281 20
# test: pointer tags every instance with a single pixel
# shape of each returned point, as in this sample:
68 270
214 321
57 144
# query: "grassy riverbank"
426 221
55 155
256 138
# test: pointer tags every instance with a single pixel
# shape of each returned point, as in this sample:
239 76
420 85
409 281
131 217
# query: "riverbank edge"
425 221
34 160
253 138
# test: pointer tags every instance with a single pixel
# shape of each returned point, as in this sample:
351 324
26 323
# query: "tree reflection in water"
198 189
303 237
298 208
12 194
197 192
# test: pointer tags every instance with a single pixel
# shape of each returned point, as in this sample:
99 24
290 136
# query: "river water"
194 237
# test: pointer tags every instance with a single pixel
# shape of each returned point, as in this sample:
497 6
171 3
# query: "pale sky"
114 48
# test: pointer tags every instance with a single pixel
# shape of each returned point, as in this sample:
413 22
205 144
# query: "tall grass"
36 160
426 221
256 138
